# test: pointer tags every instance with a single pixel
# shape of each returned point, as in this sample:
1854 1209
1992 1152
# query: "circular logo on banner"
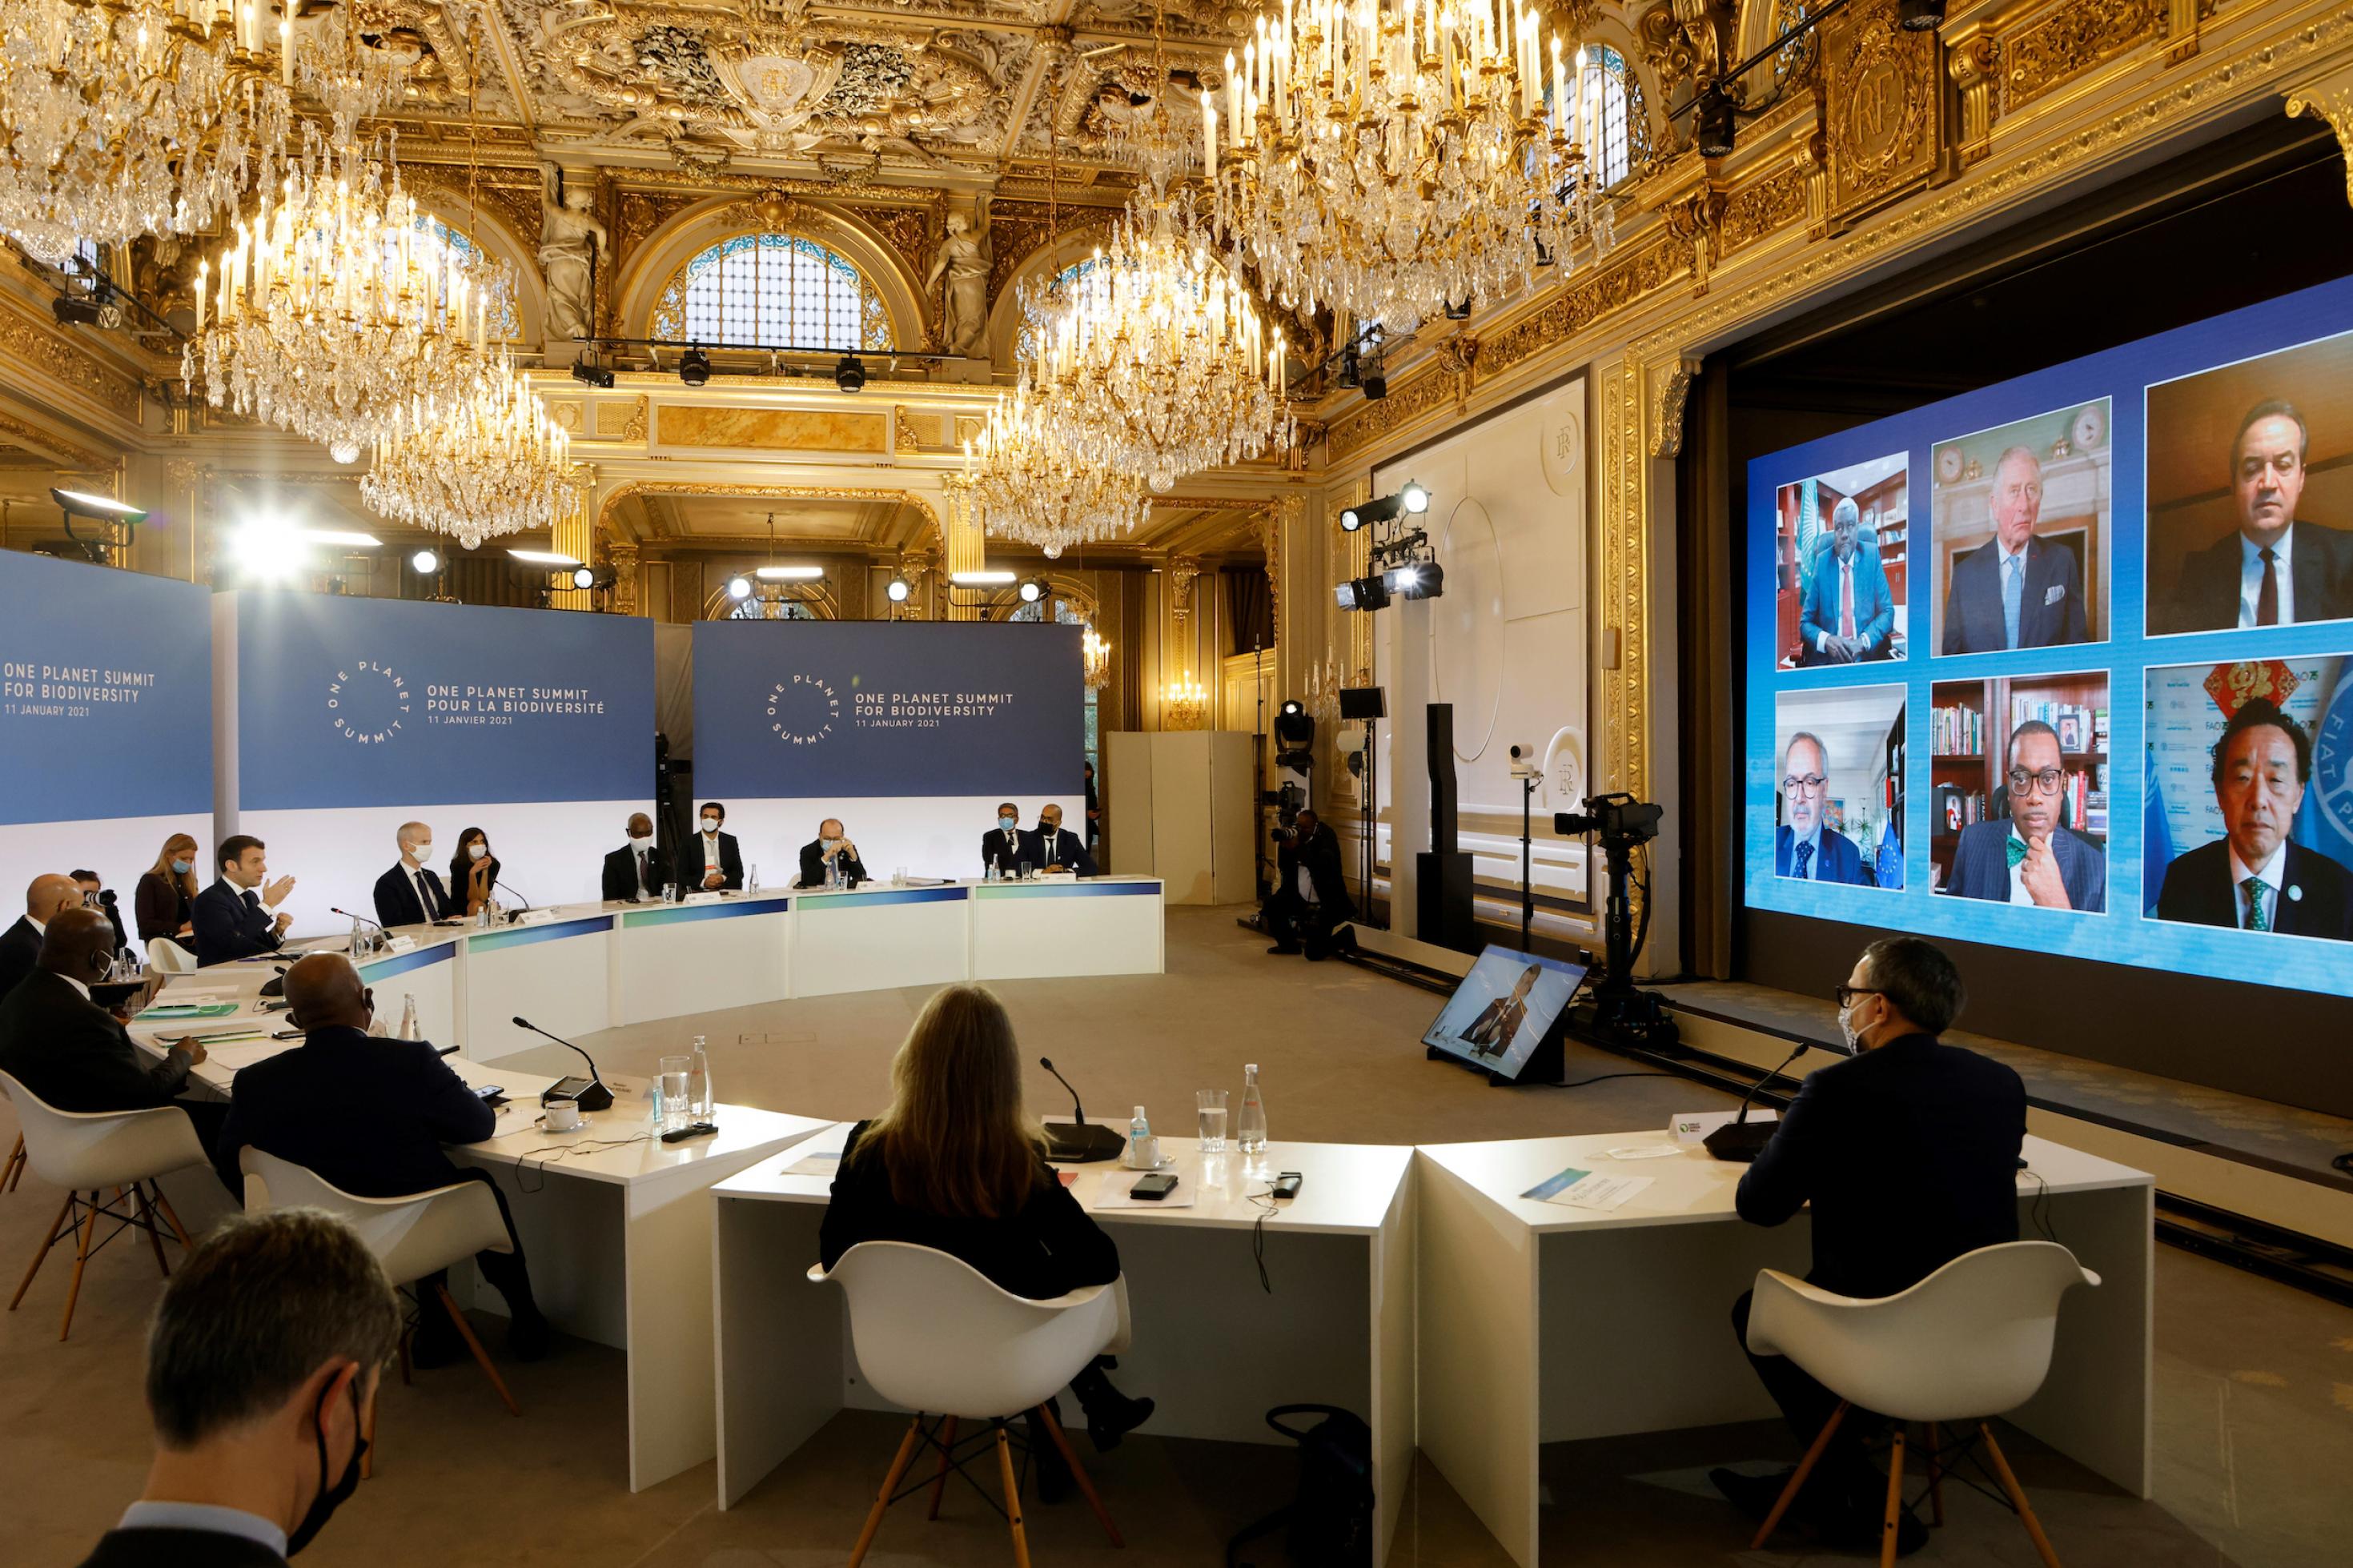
802 711
368 703
2332 760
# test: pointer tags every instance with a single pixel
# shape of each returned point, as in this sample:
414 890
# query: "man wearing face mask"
2252 877
262 1365
1000 846
371 1116
1908 1153
1049 849
73 1053
410 893
637 871
711 861
832 851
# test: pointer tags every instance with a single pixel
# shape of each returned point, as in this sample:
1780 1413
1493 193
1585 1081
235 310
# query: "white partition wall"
1184 812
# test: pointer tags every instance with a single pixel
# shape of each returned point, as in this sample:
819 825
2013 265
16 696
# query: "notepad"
190 1010
1584 1189
826 1164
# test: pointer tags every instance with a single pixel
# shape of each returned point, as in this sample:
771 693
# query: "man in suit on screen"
2014 590
410 893
1848 613
1806 848
2274 569
2252 877
2033 858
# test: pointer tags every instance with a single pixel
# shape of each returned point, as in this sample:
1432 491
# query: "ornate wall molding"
1757 210
71 452
1882 110
2332 100
2062 44
42 346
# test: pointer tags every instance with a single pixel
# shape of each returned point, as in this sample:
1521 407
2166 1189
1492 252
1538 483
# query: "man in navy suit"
1848 613
711 862
1048 848
2252 877
1000 846
2274 569
1805 848
2014 590
410 893
237 916
2033 858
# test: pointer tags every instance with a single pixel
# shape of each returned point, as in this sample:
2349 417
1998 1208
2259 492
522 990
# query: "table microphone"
595 1097
1079 1143
383 935
1738 1141
510 888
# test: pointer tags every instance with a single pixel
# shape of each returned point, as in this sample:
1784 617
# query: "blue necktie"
1805 856
2014 595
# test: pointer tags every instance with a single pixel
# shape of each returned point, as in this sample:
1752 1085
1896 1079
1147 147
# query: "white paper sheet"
1118 1191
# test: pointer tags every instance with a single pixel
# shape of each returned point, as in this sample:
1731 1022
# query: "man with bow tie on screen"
2032 859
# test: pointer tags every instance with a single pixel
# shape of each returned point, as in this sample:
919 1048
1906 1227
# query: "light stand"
1527 857
1617 1014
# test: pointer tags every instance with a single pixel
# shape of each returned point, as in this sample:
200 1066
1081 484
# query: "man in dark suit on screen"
1047 848
410 893
711 862
2014 590
1311 891
238 916
2252 877
1908 1155
20 945
1805 848
637 872
2033 858
2274 569
1848 613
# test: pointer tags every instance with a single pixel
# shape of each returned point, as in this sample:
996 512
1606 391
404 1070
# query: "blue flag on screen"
2155 839
2326 821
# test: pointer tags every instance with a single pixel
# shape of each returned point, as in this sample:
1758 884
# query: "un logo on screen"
367 703
802 711
2332 762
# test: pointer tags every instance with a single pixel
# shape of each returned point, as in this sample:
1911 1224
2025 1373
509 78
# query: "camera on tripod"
1619 819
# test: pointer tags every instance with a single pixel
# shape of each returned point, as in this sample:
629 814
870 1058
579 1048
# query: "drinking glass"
669 892
898 876
1210 1103
1024 870
677 1111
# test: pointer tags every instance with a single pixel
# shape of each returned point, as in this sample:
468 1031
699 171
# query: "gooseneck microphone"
510 888
1738 1141
595 1097
1079 1141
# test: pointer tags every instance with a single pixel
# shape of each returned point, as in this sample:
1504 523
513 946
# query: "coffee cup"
562 1116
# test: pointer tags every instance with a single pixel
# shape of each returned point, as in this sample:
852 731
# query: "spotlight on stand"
695 367
1713 123
898 590
1031 590
1415 580
425 563
1376 379
849 374
104 510
586 369
1294 736
1414 498
739 587
1411 499
1920 16
1362 594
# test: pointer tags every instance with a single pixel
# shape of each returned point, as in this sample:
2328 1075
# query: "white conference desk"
582 968
1541 1323
618 1238
1210 1346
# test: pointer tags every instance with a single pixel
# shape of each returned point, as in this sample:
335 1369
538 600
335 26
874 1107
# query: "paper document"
189 1010
824 1164
1584 1189
1118 1191
239 1056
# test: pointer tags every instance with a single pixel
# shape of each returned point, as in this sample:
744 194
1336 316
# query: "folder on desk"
188 1010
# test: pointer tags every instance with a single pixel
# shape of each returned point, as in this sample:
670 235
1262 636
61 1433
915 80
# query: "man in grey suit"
1848 613
2274 569
2014 590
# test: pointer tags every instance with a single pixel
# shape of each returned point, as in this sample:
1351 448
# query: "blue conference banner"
348 702
105 693
847 710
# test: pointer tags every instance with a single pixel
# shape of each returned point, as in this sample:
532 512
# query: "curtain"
1711 770
1250 609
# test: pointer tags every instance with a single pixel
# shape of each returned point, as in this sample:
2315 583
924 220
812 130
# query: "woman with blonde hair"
166 891
956 1164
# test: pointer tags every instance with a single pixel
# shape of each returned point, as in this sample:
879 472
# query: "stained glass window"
458 245
1613 103
771 290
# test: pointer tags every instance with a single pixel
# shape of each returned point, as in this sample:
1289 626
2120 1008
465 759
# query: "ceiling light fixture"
898 590
849 374
425 563
991 578
789 573
695 367
1032 589
543 557
739 587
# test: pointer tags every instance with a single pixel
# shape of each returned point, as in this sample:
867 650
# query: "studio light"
1376 380
1416 498
1713 123
898 590
739 587
587 369
1351 520
789 573
106 507
425 563
1920 16
1413 501
1460 312
1351 368
992 578
1363 593
850 375
72 312
1415 580
543 557
695 367
1031 590
583 576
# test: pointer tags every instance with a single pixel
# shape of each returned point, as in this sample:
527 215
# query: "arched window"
1613 106
771 610
465 249
771 290
1025 336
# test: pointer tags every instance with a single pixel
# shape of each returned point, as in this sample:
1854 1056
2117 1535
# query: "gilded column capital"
1183 571
1974 64
2330 98
1672 380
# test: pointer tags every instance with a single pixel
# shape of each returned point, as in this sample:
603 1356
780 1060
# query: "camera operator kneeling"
1310 895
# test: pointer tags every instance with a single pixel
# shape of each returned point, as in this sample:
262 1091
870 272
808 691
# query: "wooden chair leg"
367 1430
1012 1498
81 1261
482 1356
177 1229
56 1229
1798 1477
889 1484
406 1366
940 1477
2017 1499
147 1223
1936 1475
1894 1501
13 1171
1078 1474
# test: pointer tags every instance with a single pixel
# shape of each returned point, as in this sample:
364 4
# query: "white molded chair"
412 1236
86 1151
165 956
934 1335
1970 1342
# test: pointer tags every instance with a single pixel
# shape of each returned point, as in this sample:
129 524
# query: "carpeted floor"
2255 1411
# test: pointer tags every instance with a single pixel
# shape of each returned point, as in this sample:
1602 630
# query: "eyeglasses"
1847 994
1811 783
2047 781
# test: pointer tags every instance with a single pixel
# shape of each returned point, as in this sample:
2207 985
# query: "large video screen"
2066 663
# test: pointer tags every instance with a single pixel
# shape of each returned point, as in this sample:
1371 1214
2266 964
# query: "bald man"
410 894
20 945
73 1053
371 1115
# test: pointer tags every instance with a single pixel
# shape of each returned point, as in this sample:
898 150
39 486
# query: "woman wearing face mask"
474 868
165 892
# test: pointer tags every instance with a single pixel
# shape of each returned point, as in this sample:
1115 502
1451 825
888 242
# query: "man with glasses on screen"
2274 569
2014 590
2033 858
2252 877
1848 613
1807 848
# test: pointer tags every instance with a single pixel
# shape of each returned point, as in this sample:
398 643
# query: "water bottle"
358 946
751 878
408 1028
1139 1144
1250 1127
698 1083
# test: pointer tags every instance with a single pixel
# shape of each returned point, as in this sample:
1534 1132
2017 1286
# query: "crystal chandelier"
492 463
1095 650
1184 703
1026 483
121 117
1397 158
336 311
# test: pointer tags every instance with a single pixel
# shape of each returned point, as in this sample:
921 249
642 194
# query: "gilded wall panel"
2063 44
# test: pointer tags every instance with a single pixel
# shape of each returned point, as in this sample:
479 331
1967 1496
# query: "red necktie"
1846 599
2267 597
